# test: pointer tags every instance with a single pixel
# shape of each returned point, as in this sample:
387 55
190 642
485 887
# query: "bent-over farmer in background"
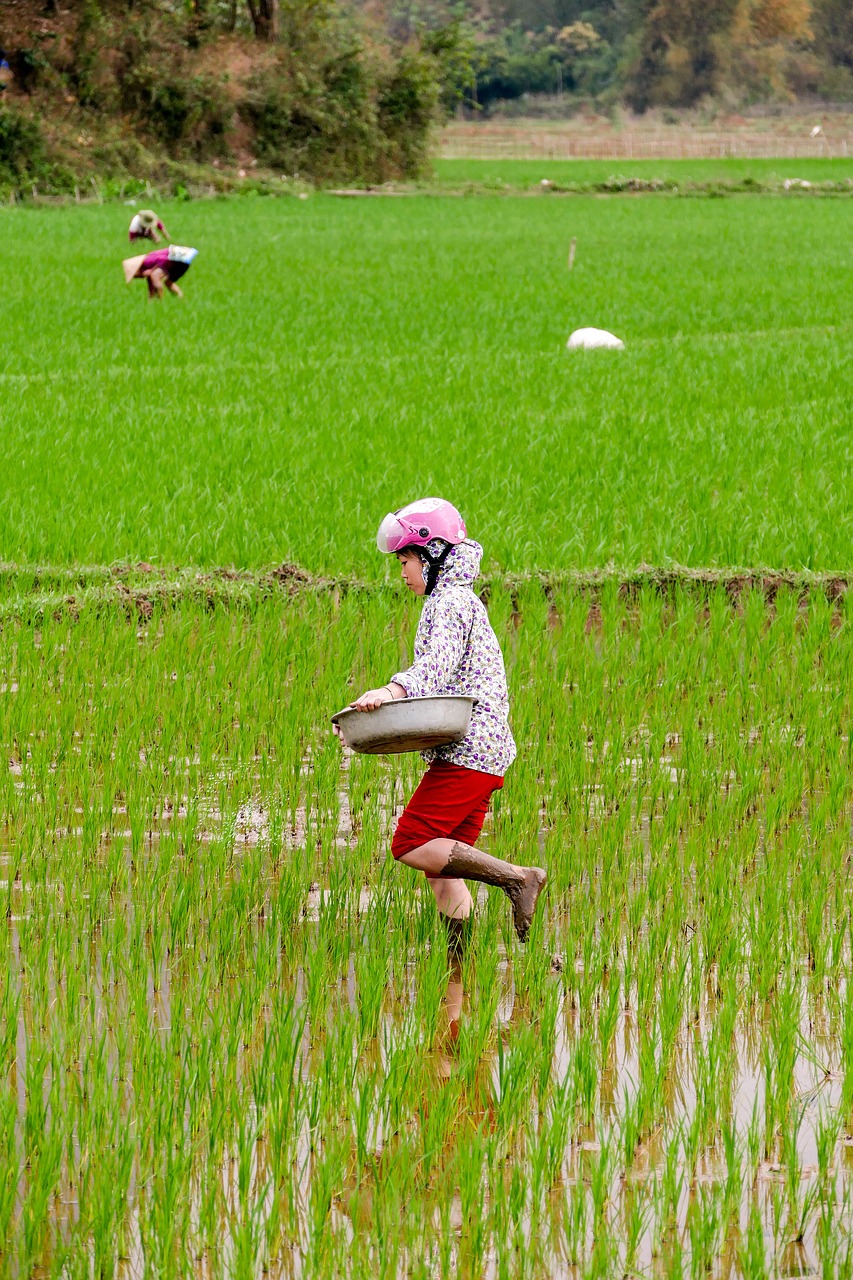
162 269
145 225
456 652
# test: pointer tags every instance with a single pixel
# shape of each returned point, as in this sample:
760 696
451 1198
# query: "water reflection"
457 939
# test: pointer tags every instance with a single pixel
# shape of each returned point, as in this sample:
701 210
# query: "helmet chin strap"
432 565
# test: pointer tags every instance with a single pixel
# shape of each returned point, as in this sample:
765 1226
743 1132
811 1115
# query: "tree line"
645 53
350 89
305 88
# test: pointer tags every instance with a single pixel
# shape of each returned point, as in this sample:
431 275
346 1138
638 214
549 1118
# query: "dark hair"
432 562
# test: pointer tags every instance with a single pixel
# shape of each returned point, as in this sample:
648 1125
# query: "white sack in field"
586 339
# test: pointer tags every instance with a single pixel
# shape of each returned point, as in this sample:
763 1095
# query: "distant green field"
527 173
334 358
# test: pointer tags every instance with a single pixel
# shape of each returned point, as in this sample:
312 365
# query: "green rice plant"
585 1077
780 1057
246 1226
833 1244
828 1134
847 1050
705 1225
801 1200
236 1002
752 1257
602 1258
43 1167
10 1168
468 1169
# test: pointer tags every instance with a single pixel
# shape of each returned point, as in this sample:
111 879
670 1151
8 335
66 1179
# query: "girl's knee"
451 896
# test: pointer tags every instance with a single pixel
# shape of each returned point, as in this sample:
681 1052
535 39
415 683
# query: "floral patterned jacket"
456 651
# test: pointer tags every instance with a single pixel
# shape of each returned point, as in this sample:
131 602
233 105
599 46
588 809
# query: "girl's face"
412 571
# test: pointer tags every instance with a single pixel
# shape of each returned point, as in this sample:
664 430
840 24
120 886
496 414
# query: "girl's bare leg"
451 897
450 859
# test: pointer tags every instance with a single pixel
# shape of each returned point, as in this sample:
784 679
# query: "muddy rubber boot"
458 934
522 886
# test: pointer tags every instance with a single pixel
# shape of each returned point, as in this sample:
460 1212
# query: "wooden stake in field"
572 252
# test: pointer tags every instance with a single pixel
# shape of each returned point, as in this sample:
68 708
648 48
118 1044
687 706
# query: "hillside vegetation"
151 89
146 90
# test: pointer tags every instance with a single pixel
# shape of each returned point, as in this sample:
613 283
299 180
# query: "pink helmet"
419 523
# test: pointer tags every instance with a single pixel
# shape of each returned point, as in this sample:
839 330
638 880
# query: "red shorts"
451 802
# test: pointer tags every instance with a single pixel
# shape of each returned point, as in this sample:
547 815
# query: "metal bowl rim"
429 697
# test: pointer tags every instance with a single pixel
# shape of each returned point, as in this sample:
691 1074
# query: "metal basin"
410 724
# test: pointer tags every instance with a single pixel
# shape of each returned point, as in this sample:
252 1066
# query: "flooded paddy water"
234 1041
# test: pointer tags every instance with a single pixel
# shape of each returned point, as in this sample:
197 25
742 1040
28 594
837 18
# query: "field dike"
615 185
31 591
187 181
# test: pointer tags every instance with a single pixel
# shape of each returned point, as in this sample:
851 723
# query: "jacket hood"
461 568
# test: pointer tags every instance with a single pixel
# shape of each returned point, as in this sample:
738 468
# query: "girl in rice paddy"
456 652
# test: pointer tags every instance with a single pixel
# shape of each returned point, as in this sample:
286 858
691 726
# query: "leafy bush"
407 105
183 110
190 113
24 158
319 121
30 67
88 71
347 116
21 146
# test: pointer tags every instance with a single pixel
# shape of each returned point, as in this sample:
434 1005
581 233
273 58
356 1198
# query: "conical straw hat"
130 266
